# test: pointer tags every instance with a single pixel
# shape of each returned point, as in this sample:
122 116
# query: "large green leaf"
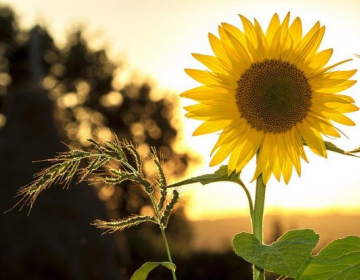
219 175
144 270
339 260
284 257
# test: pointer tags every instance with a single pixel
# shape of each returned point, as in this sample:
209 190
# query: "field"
216 235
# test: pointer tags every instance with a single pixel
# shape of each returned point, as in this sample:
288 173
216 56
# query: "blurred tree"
89 105
79 82
8 31
56 241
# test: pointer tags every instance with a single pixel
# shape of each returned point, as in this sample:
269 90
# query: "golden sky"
157 37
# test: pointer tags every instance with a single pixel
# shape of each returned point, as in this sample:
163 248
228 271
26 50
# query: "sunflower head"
269 93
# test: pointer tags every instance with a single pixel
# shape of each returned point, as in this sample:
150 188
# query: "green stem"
251 207
163 236
168 251
257 220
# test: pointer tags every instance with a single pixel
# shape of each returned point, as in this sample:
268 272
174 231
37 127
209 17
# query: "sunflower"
269 93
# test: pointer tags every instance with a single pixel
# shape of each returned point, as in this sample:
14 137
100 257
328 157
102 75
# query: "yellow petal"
211 62
232 53
240 36
297 140
341 75
331 79
329 130
218 49
323 70
221 111
265 161
273 27
211 126
312 138
311 33
330 97
306 49
339 118
249 30
295 31
337 88
222 153
294 156
204 93
285 23
322 125
209 79
250 148
235 130
234 158
244 58
287 170
320 59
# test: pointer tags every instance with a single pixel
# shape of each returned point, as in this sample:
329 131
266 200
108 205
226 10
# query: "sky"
157 37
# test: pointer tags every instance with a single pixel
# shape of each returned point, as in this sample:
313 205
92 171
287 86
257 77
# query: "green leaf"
144 270
285 256
219 175
338 260
332 147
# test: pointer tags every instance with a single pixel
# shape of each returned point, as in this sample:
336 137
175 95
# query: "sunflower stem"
251 207
257 221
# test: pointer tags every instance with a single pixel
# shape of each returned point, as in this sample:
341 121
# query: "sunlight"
162 49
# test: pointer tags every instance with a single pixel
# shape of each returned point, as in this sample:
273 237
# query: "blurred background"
70 71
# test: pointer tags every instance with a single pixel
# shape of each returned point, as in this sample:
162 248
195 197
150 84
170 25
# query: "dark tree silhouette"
86 78
55 241
8 31
38 80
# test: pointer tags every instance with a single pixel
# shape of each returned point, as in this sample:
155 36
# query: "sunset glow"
158 46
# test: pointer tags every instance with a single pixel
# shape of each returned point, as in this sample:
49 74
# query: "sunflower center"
273 96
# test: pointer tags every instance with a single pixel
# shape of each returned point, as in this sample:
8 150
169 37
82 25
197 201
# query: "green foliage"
290 255
64 168
67 164
338 260
218 176
105 156
332 147
146 268
285 256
